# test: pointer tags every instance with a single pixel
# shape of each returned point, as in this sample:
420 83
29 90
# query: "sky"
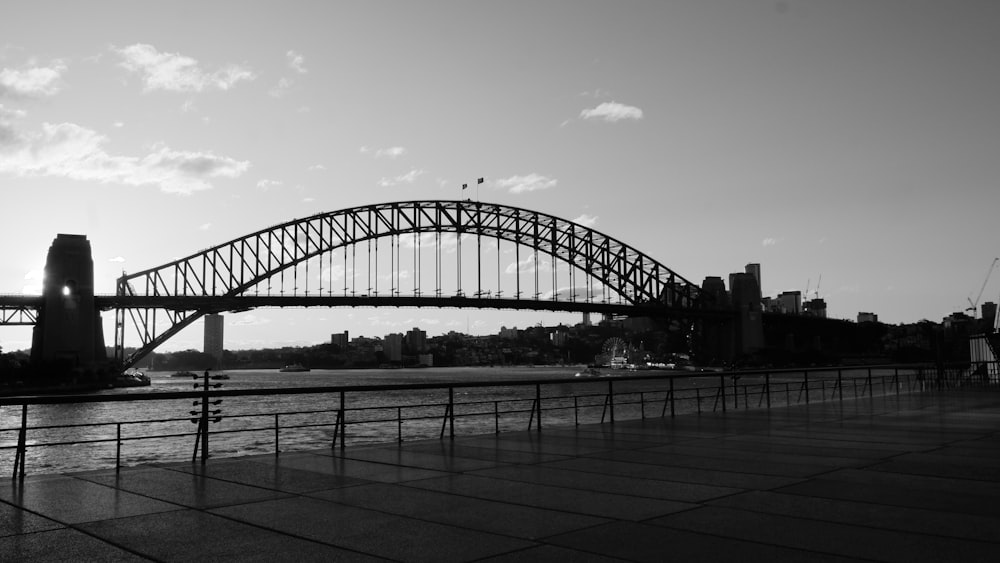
849 147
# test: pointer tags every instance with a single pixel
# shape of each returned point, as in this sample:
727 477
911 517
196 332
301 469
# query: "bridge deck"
890 479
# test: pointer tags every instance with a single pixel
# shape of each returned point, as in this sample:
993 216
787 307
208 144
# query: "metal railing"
377 413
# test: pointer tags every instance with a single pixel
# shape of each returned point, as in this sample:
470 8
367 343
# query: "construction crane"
975 304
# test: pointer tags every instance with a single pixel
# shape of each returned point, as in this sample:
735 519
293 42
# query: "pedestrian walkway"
908 478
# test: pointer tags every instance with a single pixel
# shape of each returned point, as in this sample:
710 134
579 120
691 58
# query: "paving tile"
644 470
462 511
608 483
634 541
555 498
550 554
70 500
827 537
757 455
493 454
762 467
866 514
362 471
182 488
193 535
266 475
15 520
372 532
71 546
408 458
938 465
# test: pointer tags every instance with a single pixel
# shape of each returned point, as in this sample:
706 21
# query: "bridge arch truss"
240 274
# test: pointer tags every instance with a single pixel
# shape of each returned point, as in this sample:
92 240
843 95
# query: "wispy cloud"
316 168
176 72
116 259
32 81
612 112
407 178
70 151
390 152
530 183
204 226
586 220
279 89
266 184
296 61
769 241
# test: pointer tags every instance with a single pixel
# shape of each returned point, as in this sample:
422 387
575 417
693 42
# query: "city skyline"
848 141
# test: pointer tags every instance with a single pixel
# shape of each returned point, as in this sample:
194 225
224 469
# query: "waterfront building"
754 270
392 347
815 308
790 302
416 341
214 334
340 339
867 317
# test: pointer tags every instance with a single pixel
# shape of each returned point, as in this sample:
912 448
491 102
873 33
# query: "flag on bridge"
465 186
480 181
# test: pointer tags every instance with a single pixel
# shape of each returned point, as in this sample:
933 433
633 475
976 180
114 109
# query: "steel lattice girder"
234 267
13 315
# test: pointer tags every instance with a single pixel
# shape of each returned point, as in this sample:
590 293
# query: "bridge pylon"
68 337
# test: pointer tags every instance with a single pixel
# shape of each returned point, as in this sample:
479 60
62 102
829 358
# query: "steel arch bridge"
271 267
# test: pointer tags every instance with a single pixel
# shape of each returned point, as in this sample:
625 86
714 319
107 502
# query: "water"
88 431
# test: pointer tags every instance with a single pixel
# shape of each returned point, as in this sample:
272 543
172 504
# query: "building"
340 339
392 347
815 308
416 341
790 302
867 317
214 336
754 270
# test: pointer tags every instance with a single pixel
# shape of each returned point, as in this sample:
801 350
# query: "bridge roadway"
908 478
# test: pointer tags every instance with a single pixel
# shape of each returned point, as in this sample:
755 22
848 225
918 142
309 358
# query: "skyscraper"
214 336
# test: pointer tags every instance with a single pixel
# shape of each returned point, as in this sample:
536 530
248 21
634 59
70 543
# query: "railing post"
722 391
277 436
611 399
767 388
451 412
895 375
840 384
805 382
642 405
870 390
343 422
118 447
496 417
671 397
697 398
538 405
399 424
576 412
22 443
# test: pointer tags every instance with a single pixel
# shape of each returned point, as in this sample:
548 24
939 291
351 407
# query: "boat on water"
131 378
293 368
219 376
184 374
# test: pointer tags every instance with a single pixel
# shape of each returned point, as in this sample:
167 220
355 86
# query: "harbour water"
88 432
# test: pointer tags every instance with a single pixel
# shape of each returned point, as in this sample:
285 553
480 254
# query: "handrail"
748 388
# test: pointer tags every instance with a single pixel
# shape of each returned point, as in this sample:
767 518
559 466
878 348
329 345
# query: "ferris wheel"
614 347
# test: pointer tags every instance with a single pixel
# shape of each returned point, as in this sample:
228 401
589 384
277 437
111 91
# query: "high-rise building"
340 339
791 302
392 347
214 335
416 341
867 318
754 270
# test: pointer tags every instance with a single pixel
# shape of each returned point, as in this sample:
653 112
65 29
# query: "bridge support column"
68 338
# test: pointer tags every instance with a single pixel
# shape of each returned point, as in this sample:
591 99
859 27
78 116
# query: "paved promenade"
913 478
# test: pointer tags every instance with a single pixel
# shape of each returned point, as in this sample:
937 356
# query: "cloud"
769 241
204 226
297 62
283 85
117 259
177 73
266 184
316 167
407 178
391 152
70 151
612 112
530 183
586 220
32 82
